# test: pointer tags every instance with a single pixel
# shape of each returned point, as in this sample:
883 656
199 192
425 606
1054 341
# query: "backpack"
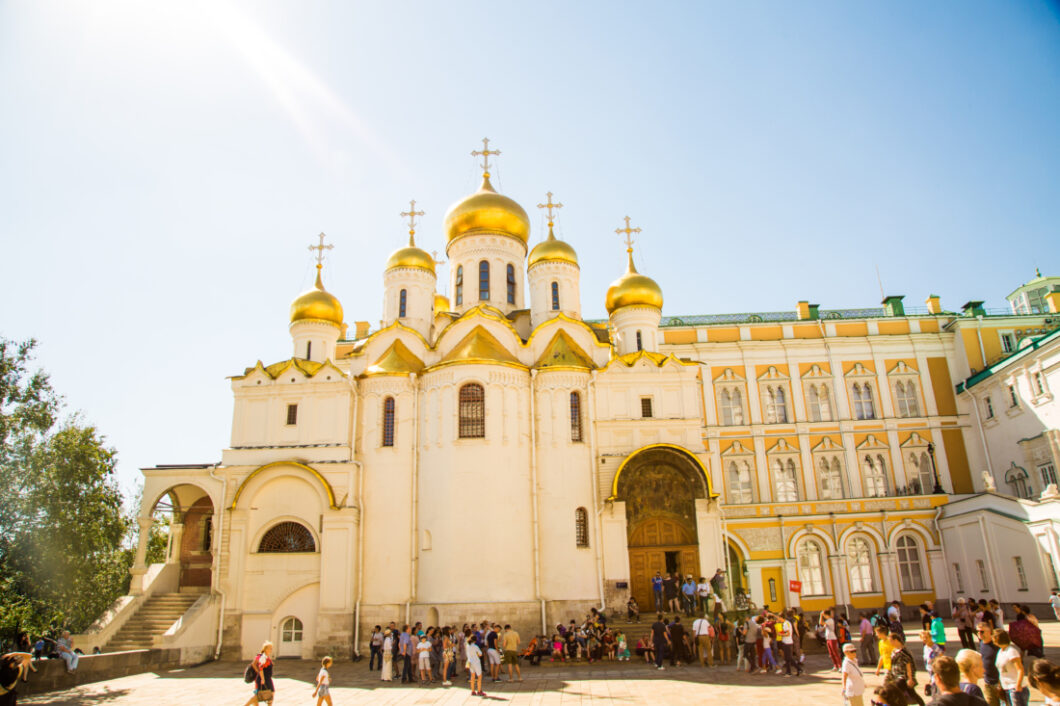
249 675
1025 634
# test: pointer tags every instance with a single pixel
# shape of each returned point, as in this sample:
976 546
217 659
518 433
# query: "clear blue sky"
164 166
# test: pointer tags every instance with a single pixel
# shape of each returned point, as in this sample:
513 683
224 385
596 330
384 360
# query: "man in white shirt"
1054 601
703 593
853 681
784 631
703 632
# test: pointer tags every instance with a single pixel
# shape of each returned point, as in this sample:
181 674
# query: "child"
474 664
323 690
557 649
623 647
931 651
767 653
884 647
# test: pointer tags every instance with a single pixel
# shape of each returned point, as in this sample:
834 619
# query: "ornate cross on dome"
320 248
549 205
485 154
629 234
411 215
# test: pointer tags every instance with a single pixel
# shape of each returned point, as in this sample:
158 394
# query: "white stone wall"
500 251
419 286
566 276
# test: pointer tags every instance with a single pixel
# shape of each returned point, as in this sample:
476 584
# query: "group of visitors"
671 594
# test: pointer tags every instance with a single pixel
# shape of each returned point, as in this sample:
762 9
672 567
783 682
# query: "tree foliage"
63 551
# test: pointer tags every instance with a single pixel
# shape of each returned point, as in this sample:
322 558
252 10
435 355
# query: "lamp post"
935 469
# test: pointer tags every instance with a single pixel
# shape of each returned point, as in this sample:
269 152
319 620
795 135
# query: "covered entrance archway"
181 532
659 486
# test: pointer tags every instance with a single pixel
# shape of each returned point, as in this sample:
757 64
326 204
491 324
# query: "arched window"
291 630
555 296
776 405
511 284
484 281
741 485
731 406
909 567
859 557
581 527
472 411
817 403
905 393
287 538
863 407
640 342
308 350
388 421
575 417
402 302
875 476
459 284
831 478
923 482
810 560
786 481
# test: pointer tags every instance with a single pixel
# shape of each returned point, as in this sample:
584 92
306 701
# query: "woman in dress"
263 686
387 674
447 655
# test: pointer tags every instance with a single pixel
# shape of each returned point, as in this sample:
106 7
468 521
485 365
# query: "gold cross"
549 205
629 234
485 154
411 215
320 248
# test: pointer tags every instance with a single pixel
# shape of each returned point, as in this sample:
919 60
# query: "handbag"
264 695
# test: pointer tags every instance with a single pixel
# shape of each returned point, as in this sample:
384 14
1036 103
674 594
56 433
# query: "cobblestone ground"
633 683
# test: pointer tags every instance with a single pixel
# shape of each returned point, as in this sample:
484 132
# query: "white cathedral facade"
493 455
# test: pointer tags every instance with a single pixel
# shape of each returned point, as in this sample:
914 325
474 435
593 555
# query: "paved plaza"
632 683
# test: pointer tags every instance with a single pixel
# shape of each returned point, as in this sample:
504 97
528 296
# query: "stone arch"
317 475
878 541
811 533
913 527
255 542
678 452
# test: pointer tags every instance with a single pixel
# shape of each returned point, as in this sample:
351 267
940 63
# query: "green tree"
64 555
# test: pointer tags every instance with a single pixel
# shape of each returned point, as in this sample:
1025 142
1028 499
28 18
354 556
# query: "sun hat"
849 647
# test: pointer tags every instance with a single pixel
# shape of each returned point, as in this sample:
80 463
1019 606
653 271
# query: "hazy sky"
164 166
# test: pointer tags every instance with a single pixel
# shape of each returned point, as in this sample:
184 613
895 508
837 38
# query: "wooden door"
649 543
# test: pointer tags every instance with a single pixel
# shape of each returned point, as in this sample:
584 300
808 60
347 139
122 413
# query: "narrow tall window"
645 407
388 421
511 284
581 527
308 350
483 281
741 485
984 580
575 416
810 565
555 296
776 405
292 414
925 476
786 481
459 284
860 555
875 477
958 579
1021 573
731 406
640 342
1048 472
989 408
1039 383
863 407
1013 396
831 479
472 412
909 567
402 302
907 401
813 403
1006 343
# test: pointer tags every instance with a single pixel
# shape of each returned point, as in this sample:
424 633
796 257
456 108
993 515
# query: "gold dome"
411 256
441 303
317 305
487 211
633 289
552 250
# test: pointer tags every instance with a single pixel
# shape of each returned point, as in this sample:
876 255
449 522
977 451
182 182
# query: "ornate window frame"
775 390
819 396
784 472
831 454
919 475
873 458
861 560
906 405
727 387
861 387
741 459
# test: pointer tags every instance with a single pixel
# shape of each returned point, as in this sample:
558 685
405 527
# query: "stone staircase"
155 616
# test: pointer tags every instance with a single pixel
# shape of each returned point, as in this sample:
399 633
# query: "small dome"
487 211
552 250
633 289
317 305
411 256
441 303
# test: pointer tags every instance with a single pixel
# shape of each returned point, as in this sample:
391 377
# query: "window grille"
831 479
863 407
776 405
555 296
731 406
511 284
287 538
291 630
575 417
875 477
645 407
292 414
484 281
472 412
459 284
640 342
388 421
905 393
402 301
786 480
1048 472
581 527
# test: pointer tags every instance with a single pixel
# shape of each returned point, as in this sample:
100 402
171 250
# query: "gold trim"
479 345
396 360
659 359
396 325
296 464
695 459
565 352
308 368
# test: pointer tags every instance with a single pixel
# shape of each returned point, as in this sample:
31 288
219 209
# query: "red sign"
795 586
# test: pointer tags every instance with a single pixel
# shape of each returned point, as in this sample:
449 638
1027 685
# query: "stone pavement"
635 682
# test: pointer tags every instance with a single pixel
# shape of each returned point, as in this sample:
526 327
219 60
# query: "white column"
139 567
889 575
176 538
840 589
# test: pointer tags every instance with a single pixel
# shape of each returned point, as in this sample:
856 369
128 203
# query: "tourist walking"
903 669
1025 632
988 651
965 619
750 638
723 637
323 688
678 643
703 634
671 590
853 683
703 595
447 655
831 639
688 595
785 641
387 673
867 643
264 690
1010 670
970 663
375 647
405 648
1054 602
660 638
510 646
947 687
474 664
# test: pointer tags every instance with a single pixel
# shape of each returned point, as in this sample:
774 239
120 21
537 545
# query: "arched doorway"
183 534
659 486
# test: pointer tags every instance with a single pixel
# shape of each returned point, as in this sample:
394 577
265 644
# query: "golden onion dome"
411 256
552 250
487 211
441 303
317 304
633 289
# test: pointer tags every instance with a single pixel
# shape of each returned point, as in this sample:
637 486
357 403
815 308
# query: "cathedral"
493 454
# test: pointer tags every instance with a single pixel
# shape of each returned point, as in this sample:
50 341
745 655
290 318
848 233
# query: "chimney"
361 330
1052 300
807 311
893 305
934 304
973 308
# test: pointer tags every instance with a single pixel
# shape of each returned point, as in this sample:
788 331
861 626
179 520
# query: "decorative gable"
396 360
870 442
772 373
563 352
479 347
